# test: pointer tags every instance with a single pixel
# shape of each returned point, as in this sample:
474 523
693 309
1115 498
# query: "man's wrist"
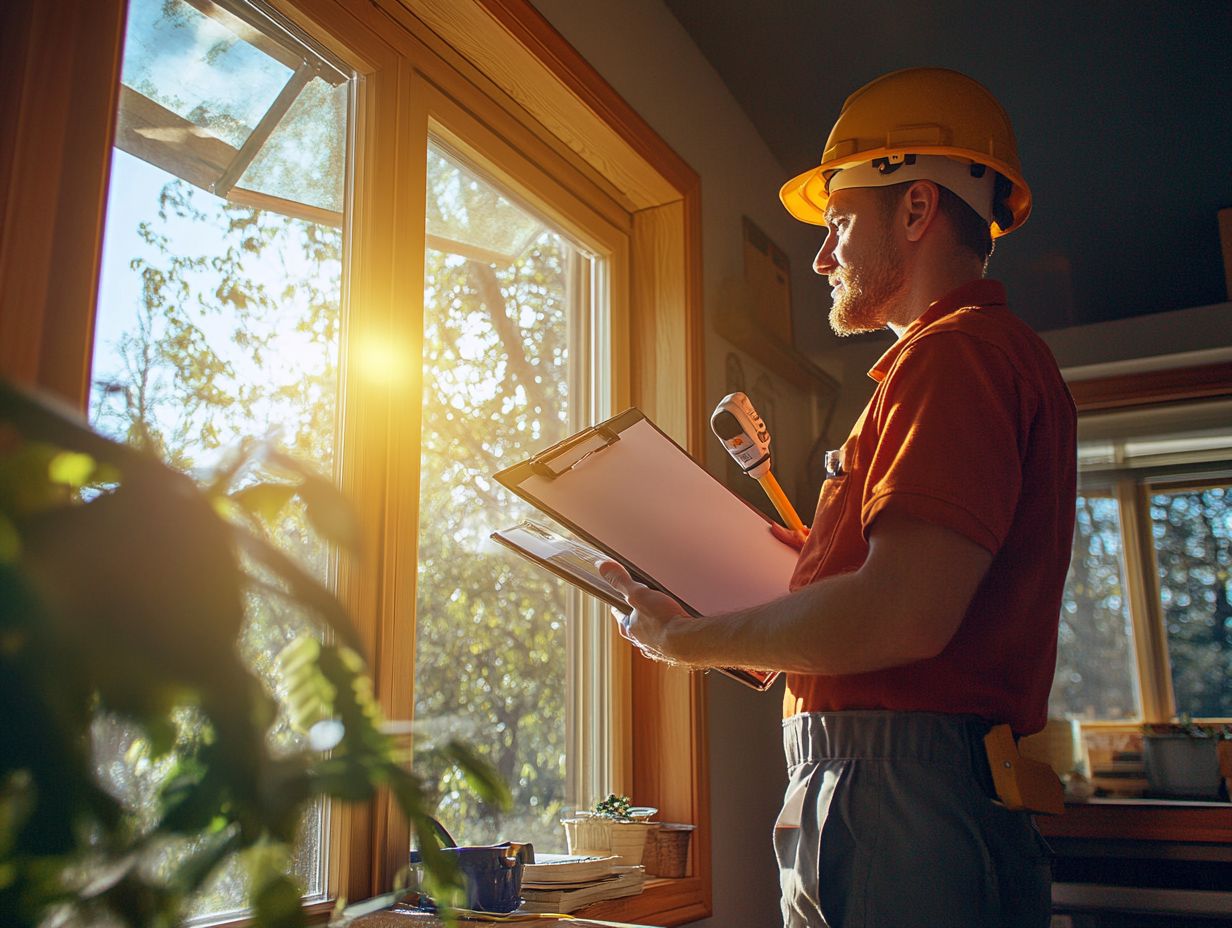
685 640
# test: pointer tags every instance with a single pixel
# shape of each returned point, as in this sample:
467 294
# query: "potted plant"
122 591
612 827
1182 758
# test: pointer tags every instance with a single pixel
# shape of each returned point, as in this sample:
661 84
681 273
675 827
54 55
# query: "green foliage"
1095 662
127 601
236 335
1192 530
614 807
1193 554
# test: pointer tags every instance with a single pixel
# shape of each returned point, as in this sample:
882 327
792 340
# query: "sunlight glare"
382 361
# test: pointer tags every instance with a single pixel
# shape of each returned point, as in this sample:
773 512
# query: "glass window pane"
491 650
468 216
198 69
217 323
1193 553
1096 676
303 159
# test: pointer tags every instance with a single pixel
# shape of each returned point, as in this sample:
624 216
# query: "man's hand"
653 613
787 536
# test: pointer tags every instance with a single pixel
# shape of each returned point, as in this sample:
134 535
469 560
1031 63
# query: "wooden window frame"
1127 391
60 64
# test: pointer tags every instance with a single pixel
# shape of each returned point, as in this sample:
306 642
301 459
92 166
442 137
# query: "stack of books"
564 883
1118 774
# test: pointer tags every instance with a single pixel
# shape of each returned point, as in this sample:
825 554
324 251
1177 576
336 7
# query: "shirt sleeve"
951 426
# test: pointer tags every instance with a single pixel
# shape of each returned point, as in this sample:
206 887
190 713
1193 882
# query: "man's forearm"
903 605
837 626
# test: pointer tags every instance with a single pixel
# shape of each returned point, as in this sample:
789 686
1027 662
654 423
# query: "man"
925 601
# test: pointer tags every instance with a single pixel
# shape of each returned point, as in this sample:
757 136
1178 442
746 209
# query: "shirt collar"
973 294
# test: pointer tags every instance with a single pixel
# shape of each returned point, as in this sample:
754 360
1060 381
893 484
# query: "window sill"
663 902
1142 820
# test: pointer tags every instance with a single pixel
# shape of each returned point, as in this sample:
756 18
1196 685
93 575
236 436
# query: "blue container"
493 872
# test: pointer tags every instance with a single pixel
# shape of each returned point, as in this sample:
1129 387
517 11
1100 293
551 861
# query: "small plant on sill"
614 807
1185 725
620 809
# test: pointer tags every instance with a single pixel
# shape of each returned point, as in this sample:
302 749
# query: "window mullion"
1142 582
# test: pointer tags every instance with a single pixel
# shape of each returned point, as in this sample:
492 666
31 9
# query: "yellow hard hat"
916 114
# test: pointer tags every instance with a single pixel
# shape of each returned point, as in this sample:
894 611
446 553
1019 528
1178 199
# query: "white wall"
1181 338
644 53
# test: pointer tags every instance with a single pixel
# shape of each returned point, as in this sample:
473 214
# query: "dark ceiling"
1123 113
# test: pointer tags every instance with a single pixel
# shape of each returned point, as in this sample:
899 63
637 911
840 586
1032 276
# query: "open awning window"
230 100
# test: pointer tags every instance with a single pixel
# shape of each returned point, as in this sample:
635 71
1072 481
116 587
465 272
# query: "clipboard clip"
563 457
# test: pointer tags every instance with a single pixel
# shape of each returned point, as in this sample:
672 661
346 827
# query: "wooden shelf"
782 359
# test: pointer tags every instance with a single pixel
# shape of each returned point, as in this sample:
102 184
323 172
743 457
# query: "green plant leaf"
276 903
16 806
71 468
306 695
482 777
264 500
10 541
330 513
25 483
192 797
303 587
196 870
42 418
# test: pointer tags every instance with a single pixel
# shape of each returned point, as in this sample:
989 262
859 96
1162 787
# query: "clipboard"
633 494
568 558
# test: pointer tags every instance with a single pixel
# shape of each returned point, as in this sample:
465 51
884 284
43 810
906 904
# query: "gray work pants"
890 821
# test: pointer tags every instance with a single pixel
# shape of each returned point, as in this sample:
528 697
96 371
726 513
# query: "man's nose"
824 263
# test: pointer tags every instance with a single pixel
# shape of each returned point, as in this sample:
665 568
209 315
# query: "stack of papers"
564 883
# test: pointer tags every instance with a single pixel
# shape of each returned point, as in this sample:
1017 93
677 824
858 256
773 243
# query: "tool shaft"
781 503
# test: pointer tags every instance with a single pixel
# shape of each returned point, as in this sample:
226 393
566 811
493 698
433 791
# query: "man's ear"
920 204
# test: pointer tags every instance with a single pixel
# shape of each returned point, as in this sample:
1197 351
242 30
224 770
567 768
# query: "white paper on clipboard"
637 495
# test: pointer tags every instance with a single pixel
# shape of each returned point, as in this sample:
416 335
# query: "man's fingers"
615 574
644 598
623 619
787 536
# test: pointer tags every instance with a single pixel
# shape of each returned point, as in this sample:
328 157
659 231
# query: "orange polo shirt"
972 428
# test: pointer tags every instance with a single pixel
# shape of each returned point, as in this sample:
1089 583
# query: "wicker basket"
667 850
603 837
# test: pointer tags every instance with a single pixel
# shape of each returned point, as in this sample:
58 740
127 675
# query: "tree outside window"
220 312
1147 599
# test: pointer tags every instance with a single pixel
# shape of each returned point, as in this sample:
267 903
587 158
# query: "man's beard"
864 302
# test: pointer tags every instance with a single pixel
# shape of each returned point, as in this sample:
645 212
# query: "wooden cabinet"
1141 864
